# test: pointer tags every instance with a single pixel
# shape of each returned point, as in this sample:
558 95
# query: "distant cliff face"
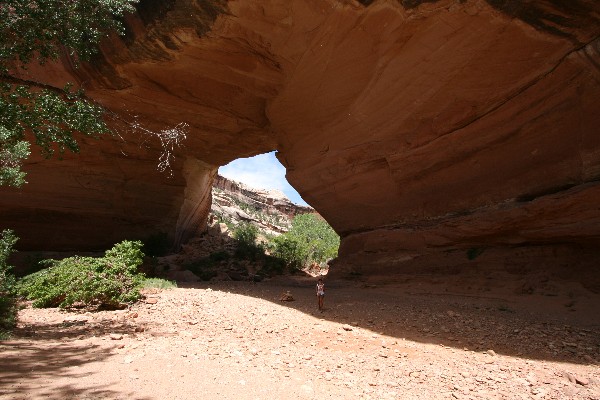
269 210
420 130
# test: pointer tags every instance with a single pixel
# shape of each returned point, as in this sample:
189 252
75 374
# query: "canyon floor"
237 340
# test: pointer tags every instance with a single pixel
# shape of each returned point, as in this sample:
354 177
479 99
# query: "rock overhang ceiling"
415 127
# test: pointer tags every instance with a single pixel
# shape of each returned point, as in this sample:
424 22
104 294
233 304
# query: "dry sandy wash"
238 341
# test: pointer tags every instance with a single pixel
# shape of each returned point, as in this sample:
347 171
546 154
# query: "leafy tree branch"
38 31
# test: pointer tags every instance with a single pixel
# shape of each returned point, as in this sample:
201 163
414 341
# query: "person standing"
320 293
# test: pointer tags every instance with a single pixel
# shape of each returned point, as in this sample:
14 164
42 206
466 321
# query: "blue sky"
261 172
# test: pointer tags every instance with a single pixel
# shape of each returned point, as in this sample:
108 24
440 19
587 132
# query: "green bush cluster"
8 308
246 235
310 240
248 249
109 281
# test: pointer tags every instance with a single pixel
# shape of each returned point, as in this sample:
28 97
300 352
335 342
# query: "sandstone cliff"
420 130
269 210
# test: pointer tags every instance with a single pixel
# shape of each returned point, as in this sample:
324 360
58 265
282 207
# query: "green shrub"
108 281
310 240
288 248
8 307
157 283
245 234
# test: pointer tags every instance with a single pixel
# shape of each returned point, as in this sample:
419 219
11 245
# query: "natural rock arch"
423 131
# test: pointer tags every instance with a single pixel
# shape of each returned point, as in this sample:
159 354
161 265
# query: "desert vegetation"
8 307
310 242
112 281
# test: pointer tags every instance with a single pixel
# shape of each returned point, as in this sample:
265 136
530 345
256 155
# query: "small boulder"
286 296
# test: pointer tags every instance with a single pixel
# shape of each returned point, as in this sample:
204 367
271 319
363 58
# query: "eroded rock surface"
418 129
269 210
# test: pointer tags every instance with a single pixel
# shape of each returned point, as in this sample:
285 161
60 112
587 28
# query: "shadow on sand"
475 322
42 353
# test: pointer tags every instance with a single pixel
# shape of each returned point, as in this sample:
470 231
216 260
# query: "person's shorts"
321 294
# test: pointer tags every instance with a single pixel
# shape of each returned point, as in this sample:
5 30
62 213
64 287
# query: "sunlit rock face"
418 129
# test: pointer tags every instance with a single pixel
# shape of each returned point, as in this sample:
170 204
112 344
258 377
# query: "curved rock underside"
443 132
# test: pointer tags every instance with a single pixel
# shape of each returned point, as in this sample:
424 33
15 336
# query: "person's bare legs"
320 302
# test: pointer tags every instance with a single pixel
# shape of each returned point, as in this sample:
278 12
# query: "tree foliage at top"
38 31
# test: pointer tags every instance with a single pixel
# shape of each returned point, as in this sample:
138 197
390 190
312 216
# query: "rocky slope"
234 203
423 131
269 210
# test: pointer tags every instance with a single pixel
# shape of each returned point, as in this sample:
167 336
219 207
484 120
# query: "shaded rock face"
416 128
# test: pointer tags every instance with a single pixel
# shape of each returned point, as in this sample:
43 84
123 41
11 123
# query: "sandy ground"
237 340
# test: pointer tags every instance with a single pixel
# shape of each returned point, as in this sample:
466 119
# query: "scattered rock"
76 319
116 336
286 296
589 359
346 327
570 377
151 300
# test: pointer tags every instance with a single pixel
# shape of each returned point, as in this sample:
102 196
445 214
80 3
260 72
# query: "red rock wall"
415 128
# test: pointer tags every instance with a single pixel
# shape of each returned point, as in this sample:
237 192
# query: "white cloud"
261 172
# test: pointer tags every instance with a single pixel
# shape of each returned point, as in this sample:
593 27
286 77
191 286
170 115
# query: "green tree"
7 283
38 31
310 240
245 234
